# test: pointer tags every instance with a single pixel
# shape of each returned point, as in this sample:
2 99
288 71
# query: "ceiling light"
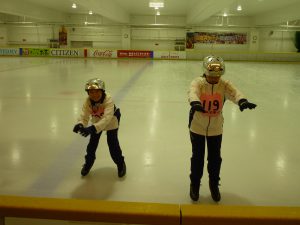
90 12
74 6
239 8
156 3
225 14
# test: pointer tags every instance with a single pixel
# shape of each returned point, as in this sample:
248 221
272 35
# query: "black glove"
77 127
196 106
86 131
244 104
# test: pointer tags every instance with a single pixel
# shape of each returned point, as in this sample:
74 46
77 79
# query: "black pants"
213 157
113 145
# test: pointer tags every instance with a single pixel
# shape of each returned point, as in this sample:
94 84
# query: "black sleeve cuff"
195 103
241 101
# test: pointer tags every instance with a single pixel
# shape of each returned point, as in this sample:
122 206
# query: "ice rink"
41 98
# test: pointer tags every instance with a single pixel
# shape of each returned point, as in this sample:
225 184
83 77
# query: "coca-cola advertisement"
100 53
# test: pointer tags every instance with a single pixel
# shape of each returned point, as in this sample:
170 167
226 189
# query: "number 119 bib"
212 104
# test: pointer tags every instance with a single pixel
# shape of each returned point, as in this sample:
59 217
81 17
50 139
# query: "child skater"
207 95
105 116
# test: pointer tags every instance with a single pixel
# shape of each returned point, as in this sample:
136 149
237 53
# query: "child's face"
212 79
95 94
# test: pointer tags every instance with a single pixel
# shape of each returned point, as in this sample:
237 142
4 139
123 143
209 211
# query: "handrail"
144 213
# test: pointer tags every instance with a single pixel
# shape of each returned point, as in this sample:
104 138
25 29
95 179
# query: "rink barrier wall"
143 213
149 54
89 210
239 215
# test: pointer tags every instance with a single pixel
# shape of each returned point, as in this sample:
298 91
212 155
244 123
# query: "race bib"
97 111
213 104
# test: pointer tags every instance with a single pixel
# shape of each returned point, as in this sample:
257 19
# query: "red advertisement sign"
134 54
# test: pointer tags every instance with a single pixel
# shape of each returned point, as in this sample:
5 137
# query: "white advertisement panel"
102 53
9 51
169 55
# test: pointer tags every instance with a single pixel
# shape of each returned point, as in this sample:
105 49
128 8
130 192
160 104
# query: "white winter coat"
212 98
101 114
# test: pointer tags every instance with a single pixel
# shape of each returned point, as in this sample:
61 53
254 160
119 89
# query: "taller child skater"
105 116
207 95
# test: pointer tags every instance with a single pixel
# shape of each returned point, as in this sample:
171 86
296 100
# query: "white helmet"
213 66
96 84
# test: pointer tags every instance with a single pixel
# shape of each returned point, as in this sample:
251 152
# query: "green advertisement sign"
35 51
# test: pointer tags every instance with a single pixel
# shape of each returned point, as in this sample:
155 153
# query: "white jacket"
101 114
212 98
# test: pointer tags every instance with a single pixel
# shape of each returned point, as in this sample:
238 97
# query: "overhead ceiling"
264 12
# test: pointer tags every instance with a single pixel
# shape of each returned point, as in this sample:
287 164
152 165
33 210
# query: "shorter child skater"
207 94
105 116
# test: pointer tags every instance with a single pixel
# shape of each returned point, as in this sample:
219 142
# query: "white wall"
126 38
153 45
32 35
277 41
102 37
3 36
102 33
156 38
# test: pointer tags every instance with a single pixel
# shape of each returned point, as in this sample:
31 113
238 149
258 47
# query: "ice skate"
85 169
122 170
194 192
214 191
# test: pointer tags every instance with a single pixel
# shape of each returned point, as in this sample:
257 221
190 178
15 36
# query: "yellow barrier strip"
239 215
145 213
89 210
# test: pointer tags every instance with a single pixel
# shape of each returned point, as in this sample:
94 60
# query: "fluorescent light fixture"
90 12
74 6
239 8
156 3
